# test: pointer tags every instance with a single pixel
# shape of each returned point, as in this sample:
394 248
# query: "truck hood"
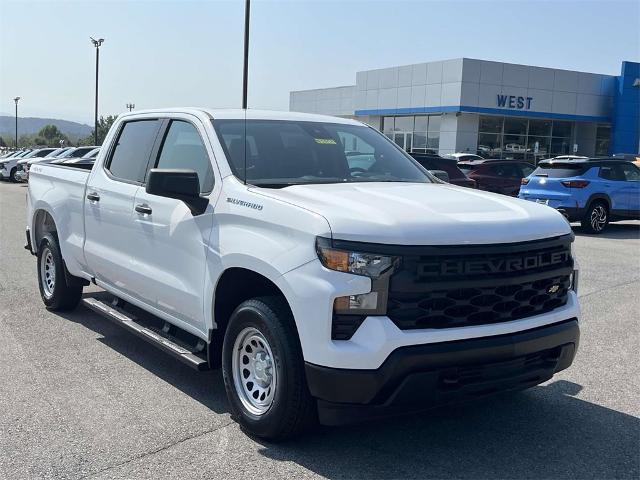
423 214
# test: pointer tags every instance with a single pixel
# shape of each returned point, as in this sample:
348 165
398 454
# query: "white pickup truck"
329 275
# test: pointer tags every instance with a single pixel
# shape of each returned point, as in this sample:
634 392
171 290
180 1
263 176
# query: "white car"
569 157
246 239
464 157
21 165
8 165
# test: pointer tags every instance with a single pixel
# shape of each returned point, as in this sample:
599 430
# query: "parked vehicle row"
15 166
328 285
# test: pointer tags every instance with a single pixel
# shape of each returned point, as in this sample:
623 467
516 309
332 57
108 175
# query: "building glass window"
540 128
433 134
524 139
420 133
491 124
561 146
514 146
541 150
603 139
404 124
490 145
562 129
387 124
515 126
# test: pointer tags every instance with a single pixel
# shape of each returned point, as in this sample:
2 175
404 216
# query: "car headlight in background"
375 266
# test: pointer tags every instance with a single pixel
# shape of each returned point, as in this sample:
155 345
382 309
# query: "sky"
189 53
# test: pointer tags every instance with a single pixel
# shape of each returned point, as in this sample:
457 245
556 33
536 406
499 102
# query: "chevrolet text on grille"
500 265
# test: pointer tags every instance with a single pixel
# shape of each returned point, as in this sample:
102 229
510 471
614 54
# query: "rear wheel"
58 289
13 173
263 371
596 219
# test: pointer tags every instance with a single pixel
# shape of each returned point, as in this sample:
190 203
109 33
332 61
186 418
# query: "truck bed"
62 188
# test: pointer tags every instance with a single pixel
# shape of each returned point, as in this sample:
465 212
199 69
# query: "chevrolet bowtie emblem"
553 288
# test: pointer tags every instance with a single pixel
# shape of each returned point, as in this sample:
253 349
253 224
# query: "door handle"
93 197
143 208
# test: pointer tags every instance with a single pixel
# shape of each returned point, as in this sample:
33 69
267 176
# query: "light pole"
17 99
245 72
96 43
131 106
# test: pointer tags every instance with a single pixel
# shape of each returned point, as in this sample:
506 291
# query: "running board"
121 318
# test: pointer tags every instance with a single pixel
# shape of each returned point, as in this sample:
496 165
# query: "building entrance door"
403 139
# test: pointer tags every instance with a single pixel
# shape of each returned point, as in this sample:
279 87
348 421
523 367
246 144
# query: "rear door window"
631 172
612 172
131 153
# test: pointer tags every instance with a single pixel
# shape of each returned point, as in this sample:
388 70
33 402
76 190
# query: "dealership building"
498 110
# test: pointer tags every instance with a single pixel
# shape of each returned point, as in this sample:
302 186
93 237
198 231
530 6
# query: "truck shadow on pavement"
205 387
545 432
621 231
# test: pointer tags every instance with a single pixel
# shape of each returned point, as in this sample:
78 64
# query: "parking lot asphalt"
81 398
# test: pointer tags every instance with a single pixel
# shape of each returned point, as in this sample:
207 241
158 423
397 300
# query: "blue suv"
593 191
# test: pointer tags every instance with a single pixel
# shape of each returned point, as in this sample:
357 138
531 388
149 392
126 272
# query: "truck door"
171 243
109 212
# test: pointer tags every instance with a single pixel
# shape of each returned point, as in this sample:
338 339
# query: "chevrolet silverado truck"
328 274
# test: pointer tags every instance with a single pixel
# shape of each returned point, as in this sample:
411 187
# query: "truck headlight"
367 264
375 266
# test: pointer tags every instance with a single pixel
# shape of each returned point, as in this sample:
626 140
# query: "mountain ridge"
32 125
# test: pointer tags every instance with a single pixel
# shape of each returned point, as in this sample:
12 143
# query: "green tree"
104 124
52 136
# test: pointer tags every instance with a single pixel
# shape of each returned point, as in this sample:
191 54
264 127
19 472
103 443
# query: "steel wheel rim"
598 218
254 371
47 272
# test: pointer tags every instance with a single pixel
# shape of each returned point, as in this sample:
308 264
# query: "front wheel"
596 219
263 370
57 294
12 175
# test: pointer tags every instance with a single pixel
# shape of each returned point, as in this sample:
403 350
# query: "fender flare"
598 196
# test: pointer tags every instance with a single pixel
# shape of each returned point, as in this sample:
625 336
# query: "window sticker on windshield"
325 141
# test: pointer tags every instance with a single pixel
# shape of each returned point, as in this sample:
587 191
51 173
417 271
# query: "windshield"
281 153
80 152
92 154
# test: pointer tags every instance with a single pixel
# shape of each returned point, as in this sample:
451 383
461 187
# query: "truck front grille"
446 287
462 307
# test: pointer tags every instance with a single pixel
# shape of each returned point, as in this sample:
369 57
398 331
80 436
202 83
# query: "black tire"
12 175
596 218
62 292
292 410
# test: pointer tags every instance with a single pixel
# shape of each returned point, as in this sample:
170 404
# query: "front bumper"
22 176
420 377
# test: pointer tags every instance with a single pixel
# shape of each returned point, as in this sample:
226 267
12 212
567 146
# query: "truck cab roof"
249 114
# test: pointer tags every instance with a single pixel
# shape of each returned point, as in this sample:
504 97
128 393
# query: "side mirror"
179 184
440 174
